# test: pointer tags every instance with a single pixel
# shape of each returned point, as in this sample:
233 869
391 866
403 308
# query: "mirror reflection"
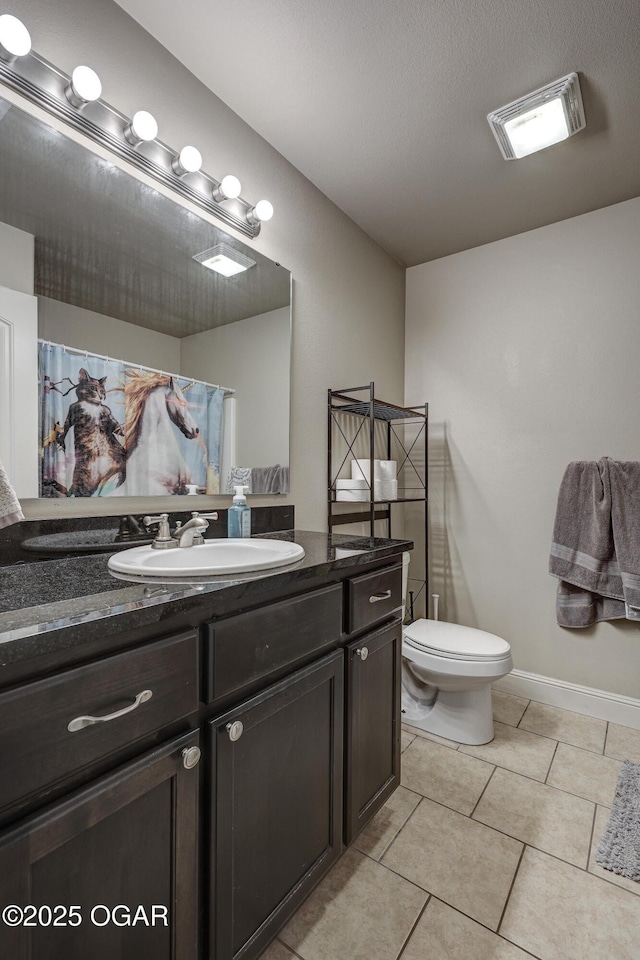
157 374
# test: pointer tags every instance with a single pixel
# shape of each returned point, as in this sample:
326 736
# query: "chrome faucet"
189 535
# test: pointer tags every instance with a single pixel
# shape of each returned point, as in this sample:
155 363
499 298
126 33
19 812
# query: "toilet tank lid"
455 640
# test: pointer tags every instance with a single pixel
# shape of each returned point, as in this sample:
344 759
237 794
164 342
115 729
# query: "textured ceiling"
383 104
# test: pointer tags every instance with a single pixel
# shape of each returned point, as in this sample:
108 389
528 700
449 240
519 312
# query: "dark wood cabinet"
128 841
276 805
295 703
373 705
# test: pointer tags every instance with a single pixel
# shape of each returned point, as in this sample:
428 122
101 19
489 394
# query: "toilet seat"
455 642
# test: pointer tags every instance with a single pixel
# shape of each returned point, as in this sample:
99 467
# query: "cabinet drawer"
374 596
38 748
254 645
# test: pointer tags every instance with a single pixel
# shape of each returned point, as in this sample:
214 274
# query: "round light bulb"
142 127
230 186
263 210
85 86
15 40
190 159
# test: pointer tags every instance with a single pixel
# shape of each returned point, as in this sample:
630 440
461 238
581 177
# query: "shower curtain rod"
139 366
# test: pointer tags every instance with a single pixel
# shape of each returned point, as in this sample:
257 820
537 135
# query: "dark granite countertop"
42 602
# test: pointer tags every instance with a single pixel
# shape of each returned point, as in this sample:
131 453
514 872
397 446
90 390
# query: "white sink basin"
208 559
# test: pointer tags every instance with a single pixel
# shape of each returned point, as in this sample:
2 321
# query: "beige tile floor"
484 853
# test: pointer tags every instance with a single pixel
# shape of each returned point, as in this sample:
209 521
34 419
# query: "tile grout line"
401 827
513 880
411 932
522 715
287 947
593 830
441 741
546 779
482 793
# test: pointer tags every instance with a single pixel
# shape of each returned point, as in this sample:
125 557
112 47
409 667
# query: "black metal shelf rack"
371 411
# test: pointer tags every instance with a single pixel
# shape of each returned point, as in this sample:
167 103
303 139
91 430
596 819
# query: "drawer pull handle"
380 596
80 722
191 757
363 653
235 730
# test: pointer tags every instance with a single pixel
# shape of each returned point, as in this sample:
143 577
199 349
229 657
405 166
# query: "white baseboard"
571 696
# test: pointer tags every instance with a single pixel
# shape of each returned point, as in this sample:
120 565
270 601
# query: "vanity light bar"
77 101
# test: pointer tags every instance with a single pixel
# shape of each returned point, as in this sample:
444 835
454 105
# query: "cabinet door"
276 814
373 725
127 841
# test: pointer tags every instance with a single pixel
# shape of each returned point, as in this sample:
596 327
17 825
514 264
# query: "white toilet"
447 672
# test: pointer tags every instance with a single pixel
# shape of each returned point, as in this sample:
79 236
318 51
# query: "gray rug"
619 849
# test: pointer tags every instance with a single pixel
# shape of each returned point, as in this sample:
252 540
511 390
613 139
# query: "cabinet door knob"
79 723
235 730
380 596
362 652
191 757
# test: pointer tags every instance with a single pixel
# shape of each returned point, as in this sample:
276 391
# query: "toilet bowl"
447 672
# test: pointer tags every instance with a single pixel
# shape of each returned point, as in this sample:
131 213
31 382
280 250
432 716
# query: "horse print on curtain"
110 429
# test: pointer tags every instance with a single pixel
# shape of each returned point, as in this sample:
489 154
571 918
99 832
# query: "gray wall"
86 330
253 357
348 295
16 259
528 351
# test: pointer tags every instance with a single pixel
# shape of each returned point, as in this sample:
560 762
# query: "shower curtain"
88 406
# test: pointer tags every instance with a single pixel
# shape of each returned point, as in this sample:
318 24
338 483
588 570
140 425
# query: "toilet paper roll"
361 469
388 469
388 490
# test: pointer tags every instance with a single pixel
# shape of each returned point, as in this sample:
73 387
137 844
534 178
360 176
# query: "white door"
19 390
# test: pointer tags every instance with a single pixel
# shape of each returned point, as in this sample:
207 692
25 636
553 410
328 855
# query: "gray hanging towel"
595 552
270 479
624 478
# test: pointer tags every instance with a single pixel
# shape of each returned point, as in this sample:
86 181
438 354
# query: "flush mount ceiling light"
85 87
133 140
542 118
225 260
15 40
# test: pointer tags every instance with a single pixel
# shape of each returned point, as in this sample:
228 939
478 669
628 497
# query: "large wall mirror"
156 375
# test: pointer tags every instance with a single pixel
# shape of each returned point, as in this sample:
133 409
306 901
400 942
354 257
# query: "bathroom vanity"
194 756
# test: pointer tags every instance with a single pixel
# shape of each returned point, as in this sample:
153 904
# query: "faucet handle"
205 516
164 531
